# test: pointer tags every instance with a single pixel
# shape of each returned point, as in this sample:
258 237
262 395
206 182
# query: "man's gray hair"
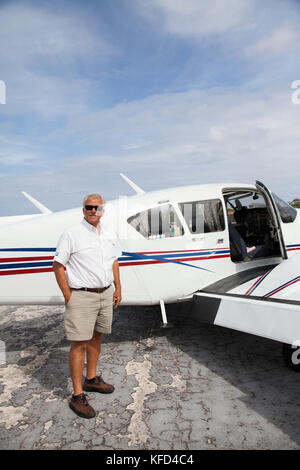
94 195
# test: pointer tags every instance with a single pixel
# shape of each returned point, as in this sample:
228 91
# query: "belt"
98 290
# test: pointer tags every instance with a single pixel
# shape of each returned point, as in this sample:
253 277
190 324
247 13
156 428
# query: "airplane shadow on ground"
251 364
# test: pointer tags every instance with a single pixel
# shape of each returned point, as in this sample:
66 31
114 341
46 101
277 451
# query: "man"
85 265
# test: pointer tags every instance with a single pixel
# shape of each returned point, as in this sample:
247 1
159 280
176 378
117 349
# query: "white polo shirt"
87 256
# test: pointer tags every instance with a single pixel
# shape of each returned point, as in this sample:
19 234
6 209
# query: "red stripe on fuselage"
26 271
31 258
136 263
180 251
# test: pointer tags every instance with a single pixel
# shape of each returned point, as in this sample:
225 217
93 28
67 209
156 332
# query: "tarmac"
193 386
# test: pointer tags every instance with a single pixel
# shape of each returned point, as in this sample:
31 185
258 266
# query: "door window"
203 216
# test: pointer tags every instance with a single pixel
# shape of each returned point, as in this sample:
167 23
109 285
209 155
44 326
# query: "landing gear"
291 356
165 323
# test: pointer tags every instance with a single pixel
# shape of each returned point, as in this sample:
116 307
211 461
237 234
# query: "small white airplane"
233 250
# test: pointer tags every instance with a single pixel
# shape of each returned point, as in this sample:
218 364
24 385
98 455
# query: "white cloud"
9 156
47 96
194 18
197 137
241 31
41 53
283 39
29 34
15 151
194 137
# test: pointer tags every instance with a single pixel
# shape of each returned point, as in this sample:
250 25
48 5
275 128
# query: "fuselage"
165 256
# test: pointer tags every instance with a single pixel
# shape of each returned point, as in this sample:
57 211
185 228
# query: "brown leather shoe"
97 385
80 405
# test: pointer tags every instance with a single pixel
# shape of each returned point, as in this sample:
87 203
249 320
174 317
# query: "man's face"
93 216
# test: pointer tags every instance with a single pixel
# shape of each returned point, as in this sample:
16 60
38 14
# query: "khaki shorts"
88 311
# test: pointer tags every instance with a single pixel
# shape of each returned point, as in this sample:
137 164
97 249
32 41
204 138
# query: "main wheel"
291 356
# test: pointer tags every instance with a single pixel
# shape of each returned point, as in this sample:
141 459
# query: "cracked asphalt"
193 386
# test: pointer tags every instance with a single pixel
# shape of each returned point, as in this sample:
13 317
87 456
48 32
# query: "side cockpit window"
157 222
203 216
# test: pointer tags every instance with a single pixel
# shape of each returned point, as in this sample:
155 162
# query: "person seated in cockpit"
246 253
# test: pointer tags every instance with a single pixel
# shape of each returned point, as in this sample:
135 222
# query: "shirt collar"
89 226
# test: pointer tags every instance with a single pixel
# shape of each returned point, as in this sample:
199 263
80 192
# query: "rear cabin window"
157 222
203 216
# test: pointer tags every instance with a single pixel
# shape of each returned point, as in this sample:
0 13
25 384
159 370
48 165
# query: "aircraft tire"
291 357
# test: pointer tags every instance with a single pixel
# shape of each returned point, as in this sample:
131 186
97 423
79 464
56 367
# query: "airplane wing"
264 301
4 221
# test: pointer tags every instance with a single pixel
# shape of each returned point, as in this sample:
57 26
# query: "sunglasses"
97 208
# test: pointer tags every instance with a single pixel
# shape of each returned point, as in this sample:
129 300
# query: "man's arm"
61 279
117 294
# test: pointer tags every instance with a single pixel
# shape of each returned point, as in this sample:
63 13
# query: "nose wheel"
291 356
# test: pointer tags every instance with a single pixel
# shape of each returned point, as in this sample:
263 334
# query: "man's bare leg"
93 348
76 362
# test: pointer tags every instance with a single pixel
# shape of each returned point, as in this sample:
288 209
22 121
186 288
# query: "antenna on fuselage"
37 204
134 186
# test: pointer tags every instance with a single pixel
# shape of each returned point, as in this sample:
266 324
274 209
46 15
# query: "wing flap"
274 319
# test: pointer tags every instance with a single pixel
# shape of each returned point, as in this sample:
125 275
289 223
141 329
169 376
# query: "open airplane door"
275 215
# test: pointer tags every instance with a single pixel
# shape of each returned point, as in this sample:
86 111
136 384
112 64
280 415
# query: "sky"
168 92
